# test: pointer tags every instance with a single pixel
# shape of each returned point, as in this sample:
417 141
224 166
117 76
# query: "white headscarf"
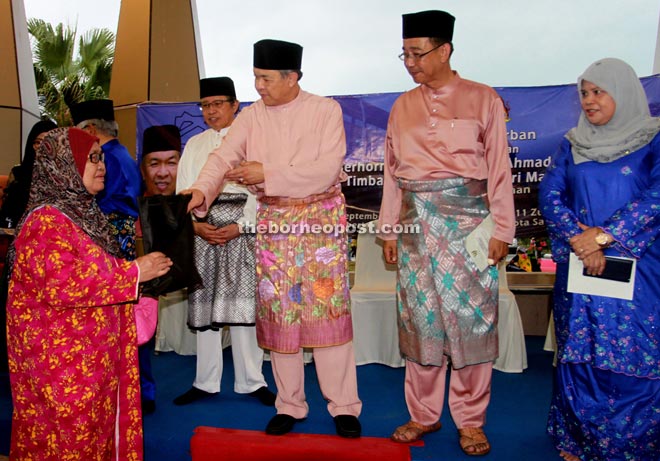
631 126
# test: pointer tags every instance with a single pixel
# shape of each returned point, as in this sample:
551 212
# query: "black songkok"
160 138
90 110
216 86
433 23
277 55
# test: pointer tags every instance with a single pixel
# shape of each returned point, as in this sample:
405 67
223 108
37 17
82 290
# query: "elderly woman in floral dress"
70 323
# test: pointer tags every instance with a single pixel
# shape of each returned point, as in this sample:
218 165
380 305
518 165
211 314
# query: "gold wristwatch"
604 240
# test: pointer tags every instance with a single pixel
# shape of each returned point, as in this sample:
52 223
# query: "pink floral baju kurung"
72 346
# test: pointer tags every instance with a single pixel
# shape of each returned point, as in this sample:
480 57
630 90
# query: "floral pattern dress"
606 404
72 346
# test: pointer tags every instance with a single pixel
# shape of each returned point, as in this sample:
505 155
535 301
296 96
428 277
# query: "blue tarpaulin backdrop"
538 118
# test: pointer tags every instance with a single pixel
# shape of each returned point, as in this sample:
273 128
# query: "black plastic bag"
167 227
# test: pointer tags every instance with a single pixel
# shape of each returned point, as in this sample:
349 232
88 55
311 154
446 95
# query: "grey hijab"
631 127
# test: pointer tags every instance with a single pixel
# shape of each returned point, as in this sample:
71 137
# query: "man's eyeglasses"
217 104
417 56
96 157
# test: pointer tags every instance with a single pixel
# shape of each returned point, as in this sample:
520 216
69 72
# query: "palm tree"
62 76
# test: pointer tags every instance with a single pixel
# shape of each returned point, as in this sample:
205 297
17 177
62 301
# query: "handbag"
167 227
146 318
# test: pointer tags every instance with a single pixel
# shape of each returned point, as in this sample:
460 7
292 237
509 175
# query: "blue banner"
538 118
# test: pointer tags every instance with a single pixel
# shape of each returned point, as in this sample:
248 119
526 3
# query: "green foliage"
65 74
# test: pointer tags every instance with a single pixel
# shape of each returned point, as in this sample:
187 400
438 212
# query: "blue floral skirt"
600 415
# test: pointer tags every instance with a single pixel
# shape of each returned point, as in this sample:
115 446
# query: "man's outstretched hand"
196 200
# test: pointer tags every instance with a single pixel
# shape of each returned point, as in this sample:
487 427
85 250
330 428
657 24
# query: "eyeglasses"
217 104
85 124
96 157
37 141
417 56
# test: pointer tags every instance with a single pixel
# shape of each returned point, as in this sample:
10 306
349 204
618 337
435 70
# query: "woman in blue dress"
601 196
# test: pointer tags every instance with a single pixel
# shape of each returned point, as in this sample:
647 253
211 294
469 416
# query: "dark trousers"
147 381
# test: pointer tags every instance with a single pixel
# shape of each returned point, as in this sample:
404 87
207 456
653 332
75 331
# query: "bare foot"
568 457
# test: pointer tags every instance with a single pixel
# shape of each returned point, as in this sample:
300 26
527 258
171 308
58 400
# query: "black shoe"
348 426
265 396
191 396
280 424
148 407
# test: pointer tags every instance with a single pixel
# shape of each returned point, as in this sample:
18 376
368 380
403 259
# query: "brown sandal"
473 441
412 431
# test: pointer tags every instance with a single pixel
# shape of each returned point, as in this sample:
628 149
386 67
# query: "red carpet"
212 444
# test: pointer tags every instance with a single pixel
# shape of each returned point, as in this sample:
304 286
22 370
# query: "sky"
350 47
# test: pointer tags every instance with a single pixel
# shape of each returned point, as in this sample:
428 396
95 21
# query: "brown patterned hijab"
57 181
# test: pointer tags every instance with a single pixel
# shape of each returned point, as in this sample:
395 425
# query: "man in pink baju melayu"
446 170
289 147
